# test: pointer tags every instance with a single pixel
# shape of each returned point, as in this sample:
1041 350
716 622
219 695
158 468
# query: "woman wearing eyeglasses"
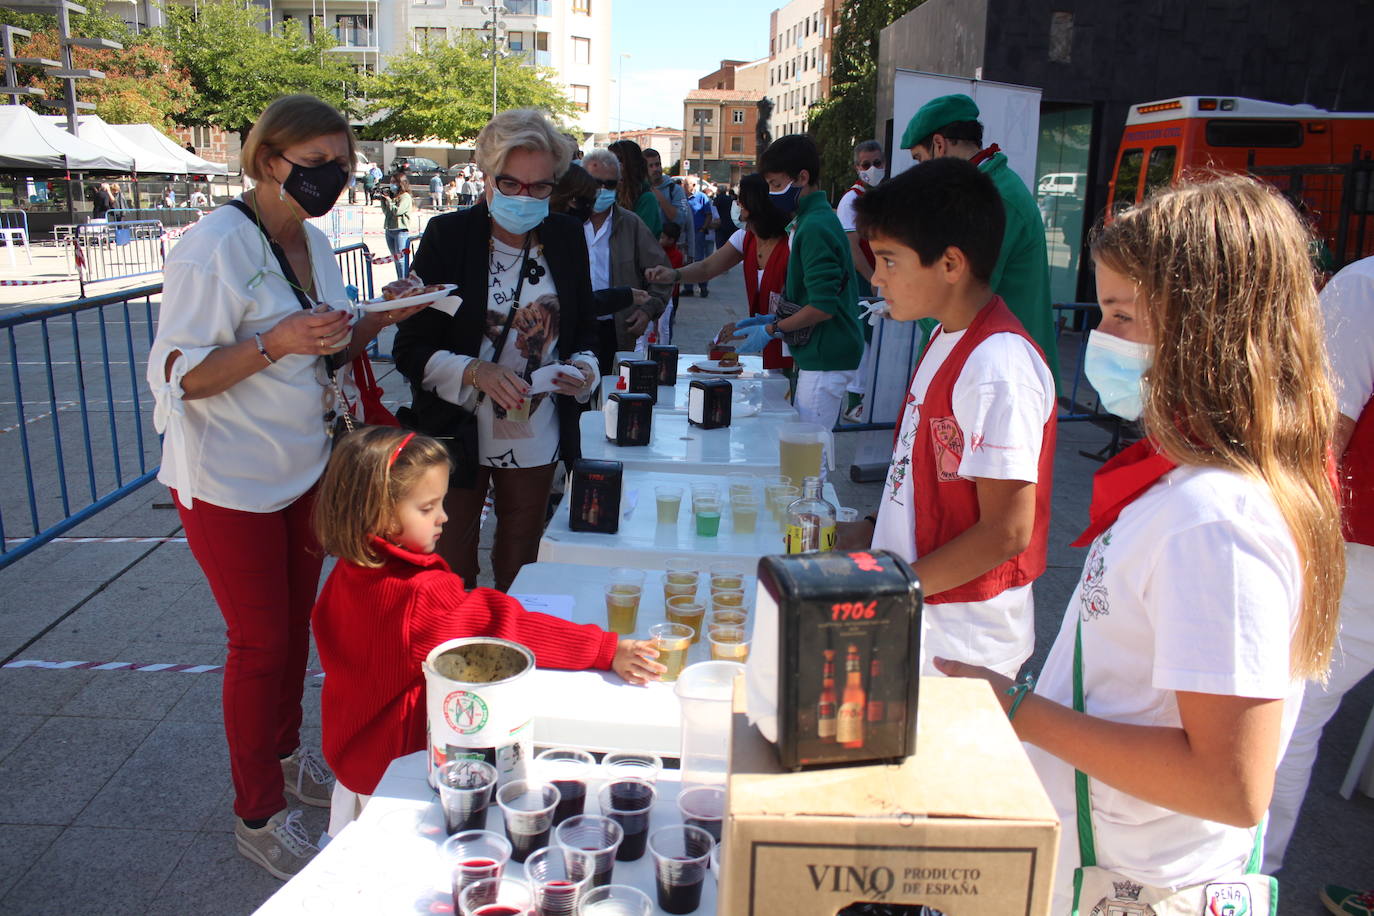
524 306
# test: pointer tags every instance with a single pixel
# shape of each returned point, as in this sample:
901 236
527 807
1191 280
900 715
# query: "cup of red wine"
628 802
528 809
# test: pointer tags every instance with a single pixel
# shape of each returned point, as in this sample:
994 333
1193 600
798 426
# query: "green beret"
938 113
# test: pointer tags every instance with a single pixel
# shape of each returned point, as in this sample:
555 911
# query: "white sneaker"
281 845
308 777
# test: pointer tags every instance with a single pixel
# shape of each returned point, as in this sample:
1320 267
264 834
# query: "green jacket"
647 209
396 212
1022 274
820 273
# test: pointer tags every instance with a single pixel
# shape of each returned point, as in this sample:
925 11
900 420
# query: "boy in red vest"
668 238
967 497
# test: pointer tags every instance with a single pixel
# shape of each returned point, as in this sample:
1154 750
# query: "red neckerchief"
858 188
983 155
1119 482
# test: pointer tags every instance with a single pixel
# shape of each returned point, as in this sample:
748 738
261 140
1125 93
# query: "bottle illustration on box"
849 729
594 509
825 709
877 709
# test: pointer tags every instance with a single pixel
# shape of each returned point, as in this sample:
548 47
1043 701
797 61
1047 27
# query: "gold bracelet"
471 373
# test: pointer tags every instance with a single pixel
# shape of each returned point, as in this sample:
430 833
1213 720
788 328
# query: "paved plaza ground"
114 785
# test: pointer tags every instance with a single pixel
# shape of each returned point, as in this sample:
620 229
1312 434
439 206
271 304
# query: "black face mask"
316 187
580 209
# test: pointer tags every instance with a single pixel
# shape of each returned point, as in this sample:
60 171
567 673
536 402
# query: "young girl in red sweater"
391 599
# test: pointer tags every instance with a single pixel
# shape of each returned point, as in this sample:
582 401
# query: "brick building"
720 120
667 140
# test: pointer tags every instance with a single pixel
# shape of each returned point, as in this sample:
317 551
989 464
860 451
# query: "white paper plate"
382 305
714 367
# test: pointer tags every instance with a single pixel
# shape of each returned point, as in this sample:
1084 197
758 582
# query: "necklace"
531 270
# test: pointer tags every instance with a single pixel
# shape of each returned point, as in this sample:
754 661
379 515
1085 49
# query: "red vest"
1357 481
756 290
859 188
947 504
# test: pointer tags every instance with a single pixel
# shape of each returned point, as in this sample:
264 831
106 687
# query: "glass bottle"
810 520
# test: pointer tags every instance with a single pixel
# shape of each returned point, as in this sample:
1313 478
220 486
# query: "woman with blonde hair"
1210 590
240 373
524 309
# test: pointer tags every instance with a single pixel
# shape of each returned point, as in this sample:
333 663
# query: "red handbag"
370 394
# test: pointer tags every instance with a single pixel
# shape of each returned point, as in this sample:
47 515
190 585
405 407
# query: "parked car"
421 169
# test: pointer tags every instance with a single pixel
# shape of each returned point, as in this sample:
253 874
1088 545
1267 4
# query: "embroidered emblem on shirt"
1092 591
1230 899
1124 901
948 441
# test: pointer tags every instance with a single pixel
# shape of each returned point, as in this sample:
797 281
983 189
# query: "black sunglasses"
609 184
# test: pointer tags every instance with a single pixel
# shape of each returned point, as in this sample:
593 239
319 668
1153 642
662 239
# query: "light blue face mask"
1114 367
605 199
518 215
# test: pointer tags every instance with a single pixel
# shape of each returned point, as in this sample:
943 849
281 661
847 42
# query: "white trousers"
344 807
859 383
1351 661
820 394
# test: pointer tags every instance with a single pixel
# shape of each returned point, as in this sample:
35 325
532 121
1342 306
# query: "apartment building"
571 36
799 48
667 140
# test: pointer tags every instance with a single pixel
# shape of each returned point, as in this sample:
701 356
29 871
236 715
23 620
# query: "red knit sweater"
374 627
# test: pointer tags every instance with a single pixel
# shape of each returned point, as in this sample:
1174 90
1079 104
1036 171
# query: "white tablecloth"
751 366
766 396
749 444
642 543
388 860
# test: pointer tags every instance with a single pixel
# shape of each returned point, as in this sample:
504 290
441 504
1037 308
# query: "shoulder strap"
510 316
1087 852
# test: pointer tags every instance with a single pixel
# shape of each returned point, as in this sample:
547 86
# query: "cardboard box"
962 826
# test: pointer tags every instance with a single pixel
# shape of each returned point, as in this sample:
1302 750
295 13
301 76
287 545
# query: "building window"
703 114
427 2
353 30
582 50
200 136
472 34
737 116
736 144
541 41
516 40
582 97
425 36
582 6
696 143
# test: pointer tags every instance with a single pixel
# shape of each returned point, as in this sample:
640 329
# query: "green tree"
444 91
238 68
848 115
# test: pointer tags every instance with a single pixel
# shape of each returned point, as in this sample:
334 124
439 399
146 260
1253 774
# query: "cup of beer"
744 511
729 644
669 501
688 611
672 640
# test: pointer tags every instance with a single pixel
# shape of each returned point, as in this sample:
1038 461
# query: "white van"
1061 184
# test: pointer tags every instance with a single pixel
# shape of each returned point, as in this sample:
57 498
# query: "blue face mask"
1114 367
605 199
786 199
518 215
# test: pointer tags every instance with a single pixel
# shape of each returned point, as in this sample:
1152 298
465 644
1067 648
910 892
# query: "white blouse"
262 443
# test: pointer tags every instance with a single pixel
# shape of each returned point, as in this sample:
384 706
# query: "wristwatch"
773 330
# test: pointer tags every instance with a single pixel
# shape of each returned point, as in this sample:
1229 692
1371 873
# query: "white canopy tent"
149 136
147 160
30 142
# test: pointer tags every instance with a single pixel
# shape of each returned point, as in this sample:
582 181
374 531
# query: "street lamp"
620 114
497 27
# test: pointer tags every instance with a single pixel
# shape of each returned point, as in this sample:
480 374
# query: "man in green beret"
949 126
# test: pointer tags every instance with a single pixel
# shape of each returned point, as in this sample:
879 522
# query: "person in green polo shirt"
820 279
949 126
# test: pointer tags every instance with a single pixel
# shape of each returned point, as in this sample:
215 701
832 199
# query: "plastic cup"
669 501
496 897
590 843
726 617
681 857
528 807
629 802
682 566
779 498
626 575
672 640
556 889
616 900
707 512
566 769
846 514
472 856
744 511
705 491
465 792
729 644
679 584
688 612
622 607
727 598
633 764
726 576
704 807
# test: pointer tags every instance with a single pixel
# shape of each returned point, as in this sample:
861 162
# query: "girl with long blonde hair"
1211 588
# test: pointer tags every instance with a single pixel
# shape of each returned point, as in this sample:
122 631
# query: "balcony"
528 7
354 39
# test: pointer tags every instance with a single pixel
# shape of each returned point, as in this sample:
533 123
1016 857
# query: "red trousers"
264 570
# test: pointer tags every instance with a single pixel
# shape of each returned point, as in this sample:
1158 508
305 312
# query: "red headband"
400 448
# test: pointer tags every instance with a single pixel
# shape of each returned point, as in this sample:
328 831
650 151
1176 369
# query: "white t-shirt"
1348 303
737 243
845 210
1001 400
1196 587
260 444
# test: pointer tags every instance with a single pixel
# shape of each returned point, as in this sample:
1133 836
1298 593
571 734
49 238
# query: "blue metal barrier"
83 442
1067 314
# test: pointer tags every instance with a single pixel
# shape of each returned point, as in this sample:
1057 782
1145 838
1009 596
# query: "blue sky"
672 45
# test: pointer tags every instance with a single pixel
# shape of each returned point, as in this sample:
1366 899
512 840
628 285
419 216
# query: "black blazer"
455 249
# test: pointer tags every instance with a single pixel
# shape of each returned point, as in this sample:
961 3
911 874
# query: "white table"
765 396
644 544
752 366
388 860
748 445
